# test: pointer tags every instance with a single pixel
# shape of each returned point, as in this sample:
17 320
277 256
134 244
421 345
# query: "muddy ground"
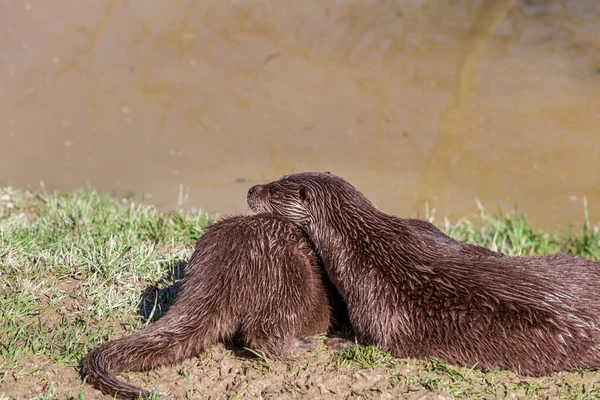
227 371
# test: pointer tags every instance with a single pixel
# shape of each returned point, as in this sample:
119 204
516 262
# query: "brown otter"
414 291
253 276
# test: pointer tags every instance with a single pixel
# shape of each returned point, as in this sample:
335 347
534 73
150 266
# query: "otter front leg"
380 326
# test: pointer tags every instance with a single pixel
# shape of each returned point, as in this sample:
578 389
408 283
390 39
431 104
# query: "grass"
71 270
73 265
365 357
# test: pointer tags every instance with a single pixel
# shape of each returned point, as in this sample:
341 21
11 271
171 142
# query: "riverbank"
78 268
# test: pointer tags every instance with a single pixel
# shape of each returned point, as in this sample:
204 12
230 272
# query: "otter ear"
328 173
304 196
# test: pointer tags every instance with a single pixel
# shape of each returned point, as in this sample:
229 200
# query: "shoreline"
78 268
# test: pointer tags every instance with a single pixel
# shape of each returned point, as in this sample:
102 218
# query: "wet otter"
254 276
414 291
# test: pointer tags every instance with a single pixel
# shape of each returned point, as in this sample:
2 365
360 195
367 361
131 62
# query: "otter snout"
252 190
255 200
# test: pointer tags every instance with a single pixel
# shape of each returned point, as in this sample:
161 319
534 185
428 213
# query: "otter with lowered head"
253 276
414 291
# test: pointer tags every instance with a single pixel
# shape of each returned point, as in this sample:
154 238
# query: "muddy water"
416 102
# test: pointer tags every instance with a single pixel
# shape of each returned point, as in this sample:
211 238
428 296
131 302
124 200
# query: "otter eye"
272 190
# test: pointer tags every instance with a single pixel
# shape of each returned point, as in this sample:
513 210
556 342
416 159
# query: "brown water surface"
412 101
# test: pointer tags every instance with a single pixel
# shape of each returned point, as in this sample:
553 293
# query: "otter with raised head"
414 291
257 277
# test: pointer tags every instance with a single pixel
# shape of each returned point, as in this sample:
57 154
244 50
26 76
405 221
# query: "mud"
417 102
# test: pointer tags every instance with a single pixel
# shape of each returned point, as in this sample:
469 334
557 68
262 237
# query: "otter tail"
164 342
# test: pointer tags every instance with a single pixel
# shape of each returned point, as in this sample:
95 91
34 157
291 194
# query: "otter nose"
252 189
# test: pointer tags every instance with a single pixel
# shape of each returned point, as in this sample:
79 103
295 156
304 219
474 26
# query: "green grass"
365 357
510 233
73 265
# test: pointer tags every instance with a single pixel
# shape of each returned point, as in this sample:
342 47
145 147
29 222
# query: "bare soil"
220 374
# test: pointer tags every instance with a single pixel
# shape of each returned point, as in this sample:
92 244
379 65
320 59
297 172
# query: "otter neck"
339 234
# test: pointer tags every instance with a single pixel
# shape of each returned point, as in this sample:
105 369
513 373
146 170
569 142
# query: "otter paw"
307 343
340 343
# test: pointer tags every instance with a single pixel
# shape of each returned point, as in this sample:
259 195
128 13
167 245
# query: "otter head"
304 197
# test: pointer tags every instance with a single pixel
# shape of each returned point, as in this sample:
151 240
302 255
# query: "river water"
418 103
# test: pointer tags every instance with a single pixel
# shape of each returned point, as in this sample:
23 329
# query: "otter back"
416 292
253 276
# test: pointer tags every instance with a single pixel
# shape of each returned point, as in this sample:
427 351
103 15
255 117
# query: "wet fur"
256 276
412 290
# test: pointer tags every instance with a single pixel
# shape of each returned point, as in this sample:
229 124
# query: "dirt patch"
221 374
228 372
224 372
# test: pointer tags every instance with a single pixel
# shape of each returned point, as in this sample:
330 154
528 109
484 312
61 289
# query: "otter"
256 278
413 291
